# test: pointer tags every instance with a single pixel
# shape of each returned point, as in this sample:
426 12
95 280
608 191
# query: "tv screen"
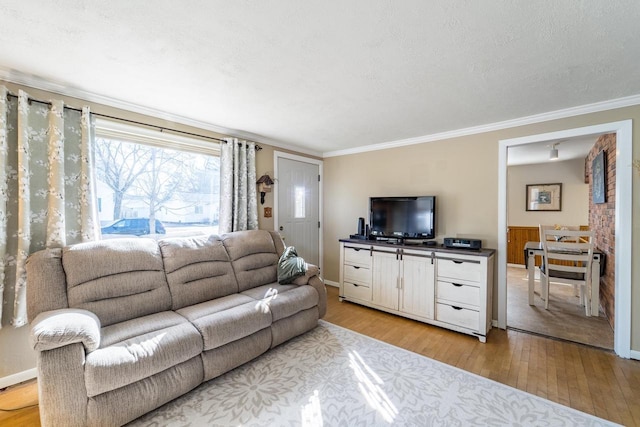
403 217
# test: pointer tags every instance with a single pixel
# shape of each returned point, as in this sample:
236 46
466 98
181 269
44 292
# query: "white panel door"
298 207
418 289
385 277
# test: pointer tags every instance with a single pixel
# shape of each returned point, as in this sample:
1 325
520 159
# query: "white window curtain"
238 196
46 188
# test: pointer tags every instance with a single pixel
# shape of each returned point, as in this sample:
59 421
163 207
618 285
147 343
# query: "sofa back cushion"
47 286
118 279
198 269
254 257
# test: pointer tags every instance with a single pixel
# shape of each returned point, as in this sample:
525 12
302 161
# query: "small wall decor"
544 197
599 177
264 186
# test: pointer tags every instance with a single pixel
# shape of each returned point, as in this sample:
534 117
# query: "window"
300 202
155 184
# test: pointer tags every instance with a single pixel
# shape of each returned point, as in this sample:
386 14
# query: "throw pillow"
290 266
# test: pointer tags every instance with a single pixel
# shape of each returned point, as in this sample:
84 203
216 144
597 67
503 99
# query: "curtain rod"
162 129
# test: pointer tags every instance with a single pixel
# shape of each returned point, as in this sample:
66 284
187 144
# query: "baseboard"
634 354
331 283
18 378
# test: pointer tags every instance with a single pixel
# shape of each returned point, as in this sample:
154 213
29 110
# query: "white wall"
575 193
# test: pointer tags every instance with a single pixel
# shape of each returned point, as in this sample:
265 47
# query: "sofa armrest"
312 270
58 328
312 278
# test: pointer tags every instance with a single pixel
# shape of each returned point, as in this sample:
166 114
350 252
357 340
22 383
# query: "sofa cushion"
47 288
227 319
198 269
117 279
254 257
284 300
154 348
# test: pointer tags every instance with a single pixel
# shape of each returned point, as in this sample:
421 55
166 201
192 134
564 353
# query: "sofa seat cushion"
284 300
227 319
137 349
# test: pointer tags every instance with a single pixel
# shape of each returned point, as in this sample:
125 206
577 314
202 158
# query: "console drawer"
360 275
361 292
460 269
458 293
458 316
357 256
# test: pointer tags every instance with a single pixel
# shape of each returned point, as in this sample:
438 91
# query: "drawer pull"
456 261
456 308
356 267
356 249
355 285
458 285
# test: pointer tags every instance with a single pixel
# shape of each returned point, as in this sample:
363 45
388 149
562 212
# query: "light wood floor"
565 317
591 380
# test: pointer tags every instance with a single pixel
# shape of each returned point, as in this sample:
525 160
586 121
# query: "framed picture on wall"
599 177
544 197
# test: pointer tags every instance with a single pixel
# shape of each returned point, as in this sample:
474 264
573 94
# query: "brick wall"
602 220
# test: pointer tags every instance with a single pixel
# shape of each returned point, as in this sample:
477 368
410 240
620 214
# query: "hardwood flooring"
585 378
565 318
18 396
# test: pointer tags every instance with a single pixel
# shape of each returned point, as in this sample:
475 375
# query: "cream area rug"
331 376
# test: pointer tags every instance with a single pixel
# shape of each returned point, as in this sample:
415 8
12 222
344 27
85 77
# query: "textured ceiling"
331 75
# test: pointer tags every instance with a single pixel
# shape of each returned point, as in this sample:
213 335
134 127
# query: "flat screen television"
403 217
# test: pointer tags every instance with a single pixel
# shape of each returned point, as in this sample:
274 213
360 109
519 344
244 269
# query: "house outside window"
167 183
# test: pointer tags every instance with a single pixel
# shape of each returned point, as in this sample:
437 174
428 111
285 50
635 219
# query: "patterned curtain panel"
238 194
46 188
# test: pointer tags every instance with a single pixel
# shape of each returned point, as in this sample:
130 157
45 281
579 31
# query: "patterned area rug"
335 377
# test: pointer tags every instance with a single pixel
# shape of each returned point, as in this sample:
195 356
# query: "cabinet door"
418 290
386 274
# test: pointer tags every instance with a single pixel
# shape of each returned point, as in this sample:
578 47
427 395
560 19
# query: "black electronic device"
361 226
402 217
462 243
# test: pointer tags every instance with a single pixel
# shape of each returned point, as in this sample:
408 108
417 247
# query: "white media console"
451 288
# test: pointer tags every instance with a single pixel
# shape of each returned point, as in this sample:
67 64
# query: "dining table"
533 249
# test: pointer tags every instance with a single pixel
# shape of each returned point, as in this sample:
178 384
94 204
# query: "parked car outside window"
134 226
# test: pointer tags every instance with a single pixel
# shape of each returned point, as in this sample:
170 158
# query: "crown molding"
36 82
522 121
40 83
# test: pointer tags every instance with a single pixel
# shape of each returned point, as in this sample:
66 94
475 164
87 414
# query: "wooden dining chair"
567 258
559 227
565 238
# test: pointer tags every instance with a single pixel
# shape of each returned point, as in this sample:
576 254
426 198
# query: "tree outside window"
180 189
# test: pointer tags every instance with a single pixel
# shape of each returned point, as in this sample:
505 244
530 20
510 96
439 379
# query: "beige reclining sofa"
123 326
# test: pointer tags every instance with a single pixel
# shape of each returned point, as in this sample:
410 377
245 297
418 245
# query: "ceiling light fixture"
553 154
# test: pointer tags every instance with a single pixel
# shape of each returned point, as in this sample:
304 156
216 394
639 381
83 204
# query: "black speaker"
361 226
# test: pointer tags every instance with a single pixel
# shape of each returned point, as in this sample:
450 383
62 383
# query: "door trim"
277 155
623 246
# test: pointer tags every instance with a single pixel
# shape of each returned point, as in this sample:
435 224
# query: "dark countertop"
484 252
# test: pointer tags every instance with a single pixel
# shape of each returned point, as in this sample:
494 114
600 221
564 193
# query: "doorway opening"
567 164
623 131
